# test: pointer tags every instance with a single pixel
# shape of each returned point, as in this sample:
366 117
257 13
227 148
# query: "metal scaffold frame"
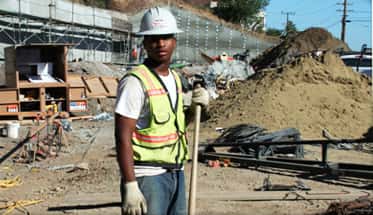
20 29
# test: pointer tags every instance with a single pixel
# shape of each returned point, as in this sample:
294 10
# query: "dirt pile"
307 41
93 68
308 95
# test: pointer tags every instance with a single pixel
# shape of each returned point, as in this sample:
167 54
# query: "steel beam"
314 167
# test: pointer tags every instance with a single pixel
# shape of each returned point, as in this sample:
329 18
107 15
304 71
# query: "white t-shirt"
132 102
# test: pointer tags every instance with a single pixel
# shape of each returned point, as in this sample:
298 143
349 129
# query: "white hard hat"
158 21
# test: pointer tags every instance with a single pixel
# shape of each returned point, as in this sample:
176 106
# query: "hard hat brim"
158 32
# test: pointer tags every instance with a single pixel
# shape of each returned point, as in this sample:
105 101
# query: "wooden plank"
32 114
75 80
42 99
207 58
27 84
110 84
23 122
9 107
77 93
4 111
94 86
8 102
8 95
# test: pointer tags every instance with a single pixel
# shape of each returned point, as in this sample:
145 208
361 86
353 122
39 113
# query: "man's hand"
200 96
134 201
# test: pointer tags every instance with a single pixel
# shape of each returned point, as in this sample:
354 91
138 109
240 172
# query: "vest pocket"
161 117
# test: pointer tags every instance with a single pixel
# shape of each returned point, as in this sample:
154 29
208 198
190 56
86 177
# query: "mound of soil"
308 95
307 41
94 68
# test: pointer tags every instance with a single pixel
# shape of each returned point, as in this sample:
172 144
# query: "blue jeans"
164 194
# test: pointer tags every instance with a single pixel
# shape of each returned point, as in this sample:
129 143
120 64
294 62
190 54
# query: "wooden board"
94 87
110 84
77 93
27 84
75 80
5 107
7 95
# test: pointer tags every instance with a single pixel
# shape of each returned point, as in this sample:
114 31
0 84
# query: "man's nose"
160 42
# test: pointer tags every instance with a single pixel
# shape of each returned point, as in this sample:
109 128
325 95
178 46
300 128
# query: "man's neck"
159 68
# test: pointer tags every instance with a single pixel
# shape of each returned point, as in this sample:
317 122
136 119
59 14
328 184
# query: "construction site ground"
96 190
312 93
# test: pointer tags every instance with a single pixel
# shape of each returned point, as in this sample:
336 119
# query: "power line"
316 11
362 11
332 25
287 19
360 20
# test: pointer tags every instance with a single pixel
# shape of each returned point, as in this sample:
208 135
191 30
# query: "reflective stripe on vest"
155 139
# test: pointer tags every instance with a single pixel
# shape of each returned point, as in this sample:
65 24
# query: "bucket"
13 129
3 132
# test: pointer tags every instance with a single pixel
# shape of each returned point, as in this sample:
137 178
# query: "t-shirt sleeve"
130 97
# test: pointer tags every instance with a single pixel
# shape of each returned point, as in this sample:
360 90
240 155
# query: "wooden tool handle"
193 178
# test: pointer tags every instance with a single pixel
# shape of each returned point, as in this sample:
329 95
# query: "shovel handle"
193 178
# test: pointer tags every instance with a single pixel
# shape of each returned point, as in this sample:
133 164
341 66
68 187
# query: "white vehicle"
359 61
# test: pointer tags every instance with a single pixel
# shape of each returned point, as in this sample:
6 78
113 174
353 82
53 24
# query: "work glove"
133 202
200 96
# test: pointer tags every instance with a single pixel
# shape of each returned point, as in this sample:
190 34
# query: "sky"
325 14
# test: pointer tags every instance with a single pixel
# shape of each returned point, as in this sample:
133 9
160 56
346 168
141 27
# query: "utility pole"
344 20
287 19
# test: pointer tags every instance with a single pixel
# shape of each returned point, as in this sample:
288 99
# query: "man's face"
160 47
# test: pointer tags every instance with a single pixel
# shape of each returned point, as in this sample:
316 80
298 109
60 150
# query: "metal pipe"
304 142
356 170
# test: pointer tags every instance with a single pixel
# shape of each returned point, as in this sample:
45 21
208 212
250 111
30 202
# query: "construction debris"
246 133
220 74
360 206
102 116
71 167
18 205
41 142
7 183
268 186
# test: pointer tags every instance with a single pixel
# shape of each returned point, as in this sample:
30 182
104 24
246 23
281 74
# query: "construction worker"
150 124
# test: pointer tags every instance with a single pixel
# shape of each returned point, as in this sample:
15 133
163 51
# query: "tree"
274 32
239 11
290 28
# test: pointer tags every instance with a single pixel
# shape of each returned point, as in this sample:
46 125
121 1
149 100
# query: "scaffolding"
89 41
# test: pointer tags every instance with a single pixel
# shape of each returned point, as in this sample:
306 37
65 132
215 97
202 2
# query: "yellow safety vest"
164 140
